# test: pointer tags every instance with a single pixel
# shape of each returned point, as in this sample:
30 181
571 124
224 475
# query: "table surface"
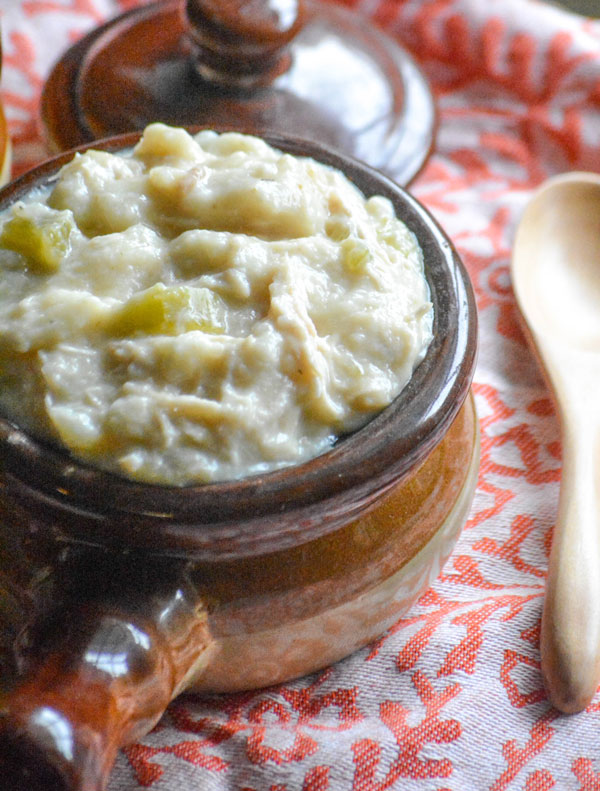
452 696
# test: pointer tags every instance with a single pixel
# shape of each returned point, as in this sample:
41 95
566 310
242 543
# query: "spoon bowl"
564 218
556 279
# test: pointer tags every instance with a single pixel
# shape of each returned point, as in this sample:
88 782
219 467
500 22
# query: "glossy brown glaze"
289 613
258 607
115 596
241 42
103 676
309 69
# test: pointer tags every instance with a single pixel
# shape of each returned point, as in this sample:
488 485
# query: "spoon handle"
570 635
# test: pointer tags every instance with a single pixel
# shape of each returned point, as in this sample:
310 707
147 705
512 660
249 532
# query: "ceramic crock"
116 596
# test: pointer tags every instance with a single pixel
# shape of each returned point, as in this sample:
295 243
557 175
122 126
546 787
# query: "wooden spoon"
556 278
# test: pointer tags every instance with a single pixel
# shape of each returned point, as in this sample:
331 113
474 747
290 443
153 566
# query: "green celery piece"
162 310
355 255
43 244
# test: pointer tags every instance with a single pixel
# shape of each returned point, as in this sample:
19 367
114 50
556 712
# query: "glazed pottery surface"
228 585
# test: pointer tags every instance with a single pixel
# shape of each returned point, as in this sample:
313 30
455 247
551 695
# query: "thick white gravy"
204 308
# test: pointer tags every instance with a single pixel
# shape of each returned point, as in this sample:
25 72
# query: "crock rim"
301 500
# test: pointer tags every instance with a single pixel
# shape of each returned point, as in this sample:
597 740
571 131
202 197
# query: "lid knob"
242 43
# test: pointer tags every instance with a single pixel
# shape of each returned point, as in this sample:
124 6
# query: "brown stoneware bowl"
116 596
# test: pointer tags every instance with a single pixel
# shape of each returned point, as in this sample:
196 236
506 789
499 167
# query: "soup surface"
204 307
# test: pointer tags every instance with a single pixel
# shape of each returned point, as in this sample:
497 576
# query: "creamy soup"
204 307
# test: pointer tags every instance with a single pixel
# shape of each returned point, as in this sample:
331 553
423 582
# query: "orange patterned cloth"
451 697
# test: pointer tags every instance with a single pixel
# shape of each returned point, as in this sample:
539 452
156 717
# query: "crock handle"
103 679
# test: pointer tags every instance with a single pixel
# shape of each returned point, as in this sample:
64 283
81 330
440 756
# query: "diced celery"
44 242
162 310
355 255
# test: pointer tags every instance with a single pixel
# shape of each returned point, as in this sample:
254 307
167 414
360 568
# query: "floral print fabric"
451 698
